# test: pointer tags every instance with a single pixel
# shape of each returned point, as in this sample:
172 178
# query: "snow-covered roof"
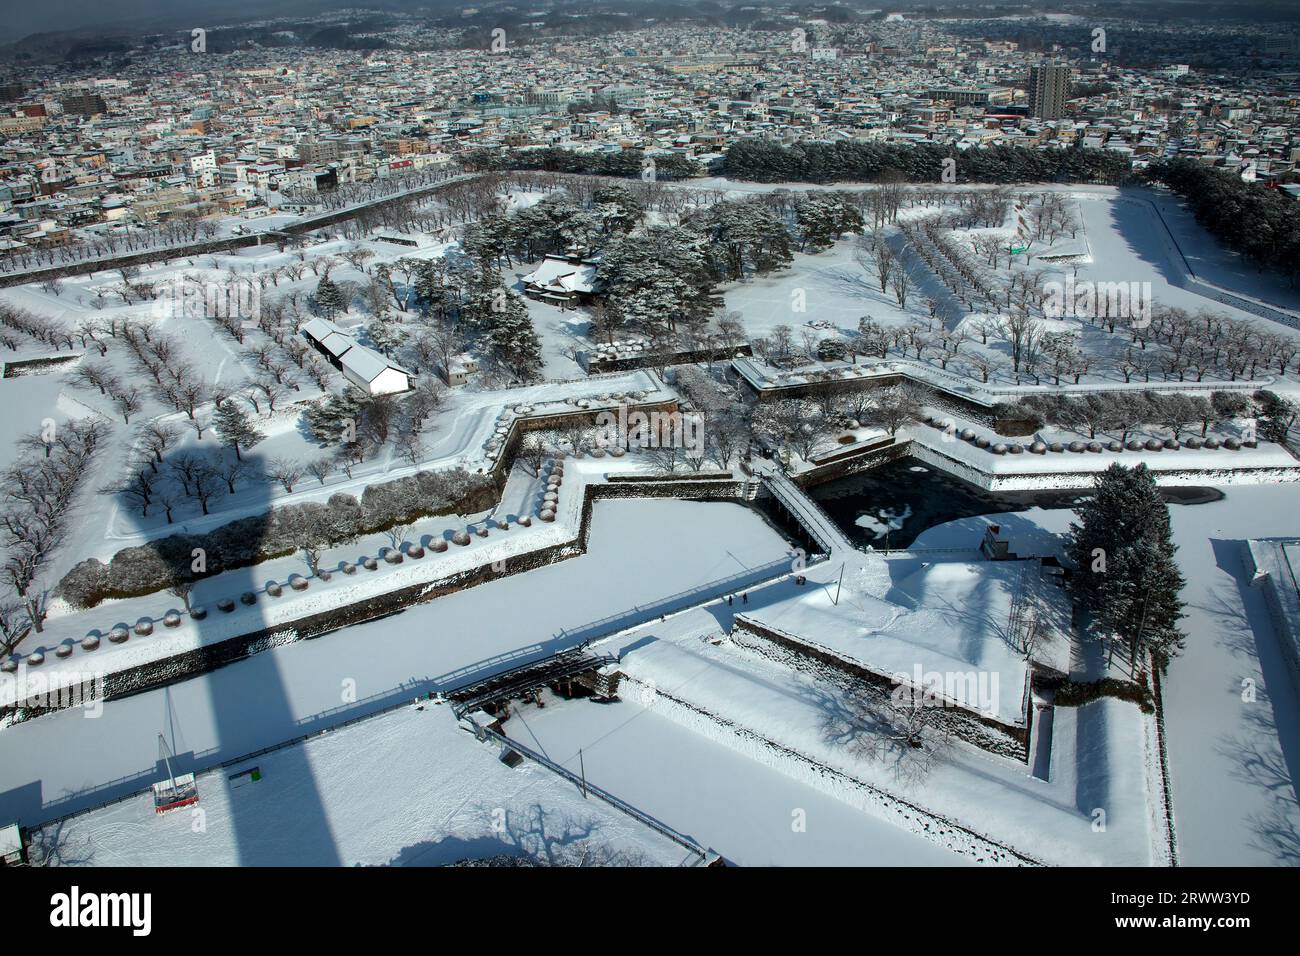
368 364
319 329
364 363
338 343
557 274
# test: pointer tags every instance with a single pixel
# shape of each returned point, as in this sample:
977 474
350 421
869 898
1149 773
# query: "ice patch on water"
884 521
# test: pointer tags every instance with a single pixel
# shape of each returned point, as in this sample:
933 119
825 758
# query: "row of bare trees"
39 490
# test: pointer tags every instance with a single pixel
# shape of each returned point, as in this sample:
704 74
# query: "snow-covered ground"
752 813
1234 762
408 788
783 716
640 551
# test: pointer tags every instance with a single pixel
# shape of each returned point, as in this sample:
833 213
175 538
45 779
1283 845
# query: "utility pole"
582 769
837 585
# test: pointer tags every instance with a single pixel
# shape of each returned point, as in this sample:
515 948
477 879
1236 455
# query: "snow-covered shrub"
225 605
198 612
273 588
90 642
172 619
298 582
438 544
144 627
248 598
461 537
84 585
159 564
119 633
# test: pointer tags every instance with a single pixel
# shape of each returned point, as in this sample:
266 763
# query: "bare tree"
288 472
532 452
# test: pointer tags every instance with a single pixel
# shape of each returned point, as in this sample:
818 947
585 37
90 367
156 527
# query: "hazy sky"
21 18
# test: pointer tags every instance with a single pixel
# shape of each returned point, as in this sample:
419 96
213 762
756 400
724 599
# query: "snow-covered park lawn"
640 551
409 788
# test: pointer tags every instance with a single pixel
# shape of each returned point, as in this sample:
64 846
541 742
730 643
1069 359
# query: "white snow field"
946 614
746 810
723 744
640 551
1234 763
408 788
1120 231
782 715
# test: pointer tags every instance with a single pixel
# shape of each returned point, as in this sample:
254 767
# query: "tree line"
770 162
1258 222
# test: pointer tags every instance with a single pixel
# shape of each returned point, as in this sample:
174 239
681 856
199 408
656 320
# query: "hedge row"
151 567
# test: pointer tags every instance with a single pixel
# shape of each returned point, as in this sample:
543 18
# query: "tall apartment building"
83 104
1048 88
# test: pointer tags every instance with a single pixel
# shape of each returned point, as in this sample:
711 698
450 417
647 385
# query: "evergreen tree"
513 340
1276 416
336 420
234 428
329 298
385 334
1126 573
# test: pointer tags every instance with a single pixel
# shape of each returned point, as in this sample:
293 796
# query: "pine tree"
385 334
335 420
329 298
1124 553
513 339
233 427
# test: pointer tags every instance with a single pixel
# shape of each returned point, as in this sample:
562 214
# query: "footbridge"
819 525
